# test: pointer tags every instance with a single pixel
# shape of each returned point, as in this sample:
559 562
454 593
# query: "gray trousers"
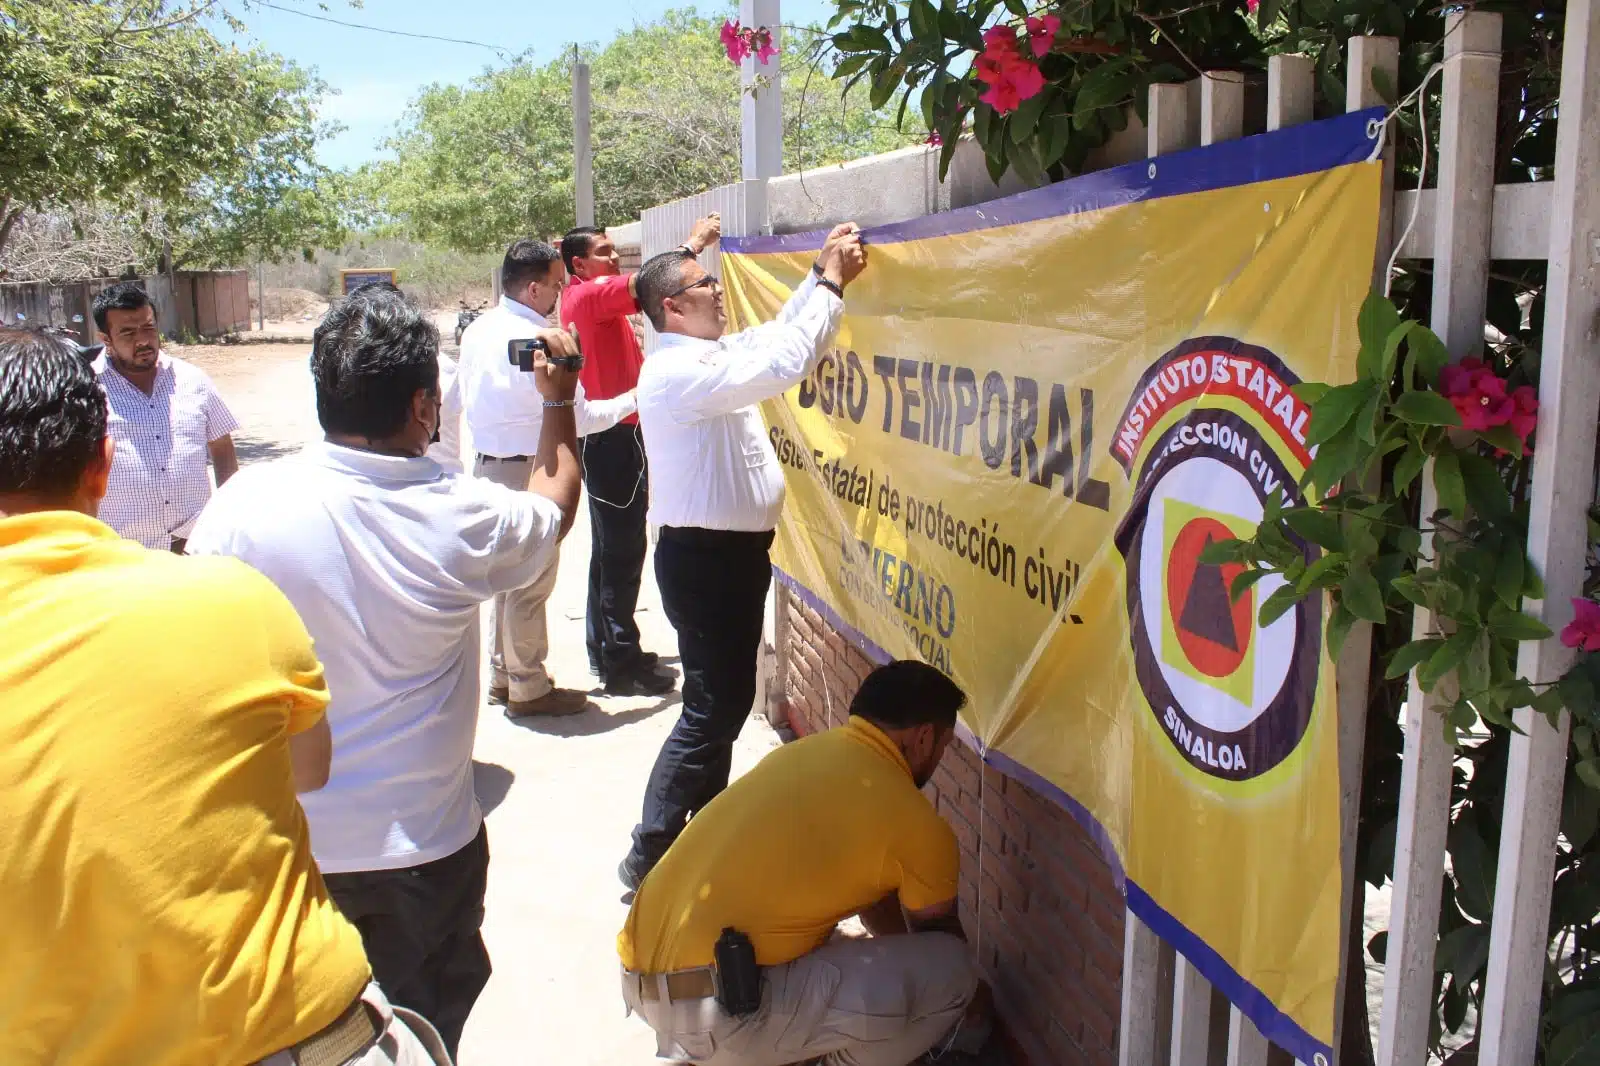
519 639
882 1001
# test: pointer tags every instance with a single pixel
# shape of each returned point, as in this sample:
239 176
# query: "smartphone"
520 353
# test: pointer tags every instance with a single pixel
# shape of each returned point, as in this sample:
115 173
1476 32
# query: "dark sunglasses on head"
705 281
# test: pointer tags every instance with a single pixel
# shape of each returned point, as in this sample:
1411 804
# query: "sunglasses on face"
704 282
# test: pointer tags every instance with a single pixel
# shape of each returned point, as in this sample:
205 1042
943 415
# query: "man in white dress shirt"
387 559
504 413
166 420
716 493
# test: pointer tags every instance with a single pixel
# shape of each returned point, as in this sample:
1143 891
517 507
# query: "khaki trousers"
519 639
404 1038
883 1001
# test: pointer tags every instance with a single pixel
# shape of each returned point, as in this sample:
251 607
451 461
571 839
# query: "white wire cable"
1379 129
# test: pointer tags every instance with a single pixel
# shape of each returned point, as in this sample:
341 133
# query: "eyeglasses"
708 280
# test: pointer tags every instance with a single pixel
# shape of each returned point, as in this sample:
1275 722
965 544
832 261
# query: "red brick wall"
1048 922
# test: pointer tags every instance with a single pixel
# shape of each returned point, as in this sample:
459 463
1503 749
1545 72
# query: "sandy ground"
561 796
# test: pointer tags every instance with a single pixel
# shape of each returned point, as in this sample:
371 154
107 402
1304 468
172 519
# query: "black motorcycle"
465 317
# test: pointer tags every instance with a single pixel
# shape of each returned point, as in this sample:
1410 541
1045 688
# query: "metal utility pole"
582 146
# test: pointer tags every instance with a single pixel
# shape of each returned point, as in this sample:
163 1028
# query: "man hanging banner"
1040 412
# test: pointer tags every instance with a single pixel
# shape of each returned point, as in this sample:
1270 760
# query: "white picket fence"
1170 1014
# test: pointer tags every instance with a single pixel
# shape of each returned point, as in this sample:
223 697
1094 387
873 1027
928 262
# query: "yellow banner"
1039 413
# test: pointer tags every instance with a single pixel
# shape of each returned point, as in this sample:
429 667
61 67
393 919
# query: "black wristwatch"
688 251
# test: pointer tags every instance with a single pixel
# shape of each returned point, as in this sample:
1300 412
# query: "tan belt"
348 1036
681 985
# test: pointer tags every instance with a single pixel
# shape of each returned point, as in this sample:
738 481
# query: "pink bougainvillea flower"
1478 395
1252 5
934 138
734 41
1000 39
1002 96
1526 414
1011 78
1042 34
765 49
1583 632
1456 379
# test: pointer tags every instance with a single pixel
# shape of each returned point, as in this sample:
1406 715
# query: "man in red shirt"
596 306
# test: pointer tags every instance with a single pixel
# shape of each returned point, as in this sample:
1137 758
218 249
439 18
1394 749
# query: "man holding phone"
504 412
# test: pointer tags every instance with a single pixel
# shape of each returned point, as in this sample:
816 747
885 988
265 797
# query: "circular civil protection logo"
1209 435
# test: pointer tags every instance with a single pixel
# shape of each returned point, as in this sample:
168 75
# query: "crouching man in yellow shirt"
831 826
161 904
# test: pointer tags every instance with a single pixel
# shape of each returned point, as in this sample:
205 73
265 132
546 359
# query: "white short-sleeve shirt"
387 560
159 481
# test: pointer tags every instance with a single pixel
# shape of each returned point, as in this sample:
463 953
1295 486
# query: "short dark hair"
659 278
526 260
52 414
123 296
907 693
577 242
370 355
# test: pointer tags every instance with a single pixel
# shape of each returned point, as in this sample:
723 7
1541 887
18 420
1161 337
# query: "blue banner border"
1286 153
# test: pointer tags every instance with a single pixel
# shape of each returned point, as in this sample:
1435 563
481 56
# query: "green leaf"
1426 409
983 121
1025 119
1278 604
1335 410
1408 466
1463 952
925 24
1321 572
1508 577
1376 320
1447 483
1340 622
1509 624
1408 656
1220 552
1318 527
1243 582
1361 594
1019 8
1310 392
1267 13
1425 356
1382 82
1366 422
1335 459
1450 655
1589 772
1486 492
1409 587
1378 946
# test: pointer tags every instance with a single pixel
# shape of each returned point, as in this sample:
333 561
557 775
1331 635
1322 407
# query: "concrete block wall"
1039 902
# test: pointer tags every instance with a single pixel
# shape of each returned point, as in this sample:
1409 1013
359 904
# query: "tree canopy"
480 165
137 103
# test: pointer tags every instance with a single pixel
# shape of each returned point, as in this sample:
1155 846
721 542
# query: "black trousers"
618 481
421 928
714 589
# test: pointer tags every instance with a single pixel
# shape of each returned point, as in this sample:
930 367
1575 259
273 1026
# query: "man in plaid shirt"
167 421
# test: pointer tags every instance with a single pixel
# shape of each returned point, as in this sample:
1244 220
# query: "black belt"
482 458
717 538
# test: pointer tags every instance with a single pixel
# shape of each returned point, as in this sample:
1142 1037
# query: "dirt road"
561 796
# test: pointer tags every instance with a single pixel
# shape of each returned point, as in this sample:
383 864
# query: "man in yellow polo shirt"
161 904
829 827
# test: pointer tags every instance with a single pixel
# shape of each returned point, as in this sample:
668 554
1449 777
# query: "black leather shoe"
640 681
